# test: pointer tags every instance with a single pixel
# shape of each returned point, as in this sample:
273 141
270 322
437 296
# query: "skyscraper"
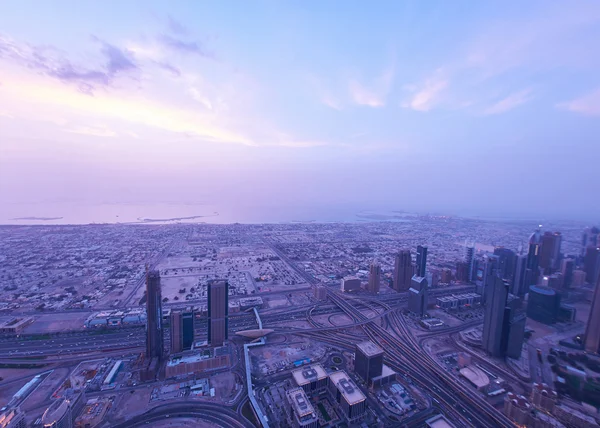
417 296
188 328
421 261
154 330
592 330
533 256
402 270
469 258
368 360
566 269
591 264
218 312
556 256
503 324
547 251
520 275
490 273
506 262
374 278
176 330
590 239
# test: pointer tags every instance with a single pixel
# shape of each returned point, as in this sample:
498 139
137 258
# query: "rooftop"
369 348
56 411
542 290
347 388
298 399
476 376
309 374
438 421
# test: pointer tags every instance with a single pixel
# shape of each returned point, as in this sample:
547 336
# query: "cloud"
428 95
170 68
94 132
176 27
375 93
50 62
182 46
588 105
509 102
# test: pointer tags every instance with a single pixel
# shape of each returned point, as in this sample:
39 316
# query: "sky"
461 107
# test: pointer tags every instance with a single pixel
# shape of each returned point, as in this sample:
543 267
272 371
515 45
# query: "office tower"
506 262
417 296
543 304
591 264
546 252
566 269
421 260
520 275
556 256
349 284
590 239
504 323
351 402
533 257
462 272
188 328
494 318
374 278
446 277
320 292
578 278
470 257
154 330
402 270
368 360
312 379
592 329
12 417
218 312
490 272
300 412
176 330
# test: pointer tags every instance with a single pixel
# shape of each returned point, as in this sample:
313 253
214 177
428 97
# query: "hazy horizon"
465 109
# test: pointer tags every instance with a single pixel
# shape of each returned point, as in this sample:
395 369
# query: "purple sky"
453 107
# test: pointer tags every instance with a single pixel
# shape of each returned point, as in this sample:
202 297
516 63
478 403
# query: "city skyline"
141 102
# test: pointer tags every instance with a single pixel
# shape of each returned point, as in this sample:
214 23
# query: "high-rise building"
490 273
520 276
350 284
462 272
470 258
417 296
592 329
218 312
557 255
566 269
368 360
503 324
591 264
154 328
12 417
533 256
176 330
402 270
578 278
506 262
543 304
547 252
590 239
350 400
300 412
374 278
446 277
188 328
421 264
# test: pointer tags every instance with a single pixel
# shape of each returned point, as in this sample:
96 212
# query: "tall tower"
402 270
519 285
421 261
154 330
469 258
592 329
547 252
533 255
566 269
218 312
176 331
556 254
591 264
494 318
374 278
368 360
188 328
506 262
490 273
417 296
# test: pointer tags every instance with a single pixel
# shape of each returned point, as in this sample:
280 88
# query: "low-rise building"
15 325
476 377
439 421
180 365
573 417
12 418
543 397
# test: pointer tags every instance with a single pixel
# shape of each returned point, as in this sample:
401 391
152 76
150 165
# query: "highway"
405 356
